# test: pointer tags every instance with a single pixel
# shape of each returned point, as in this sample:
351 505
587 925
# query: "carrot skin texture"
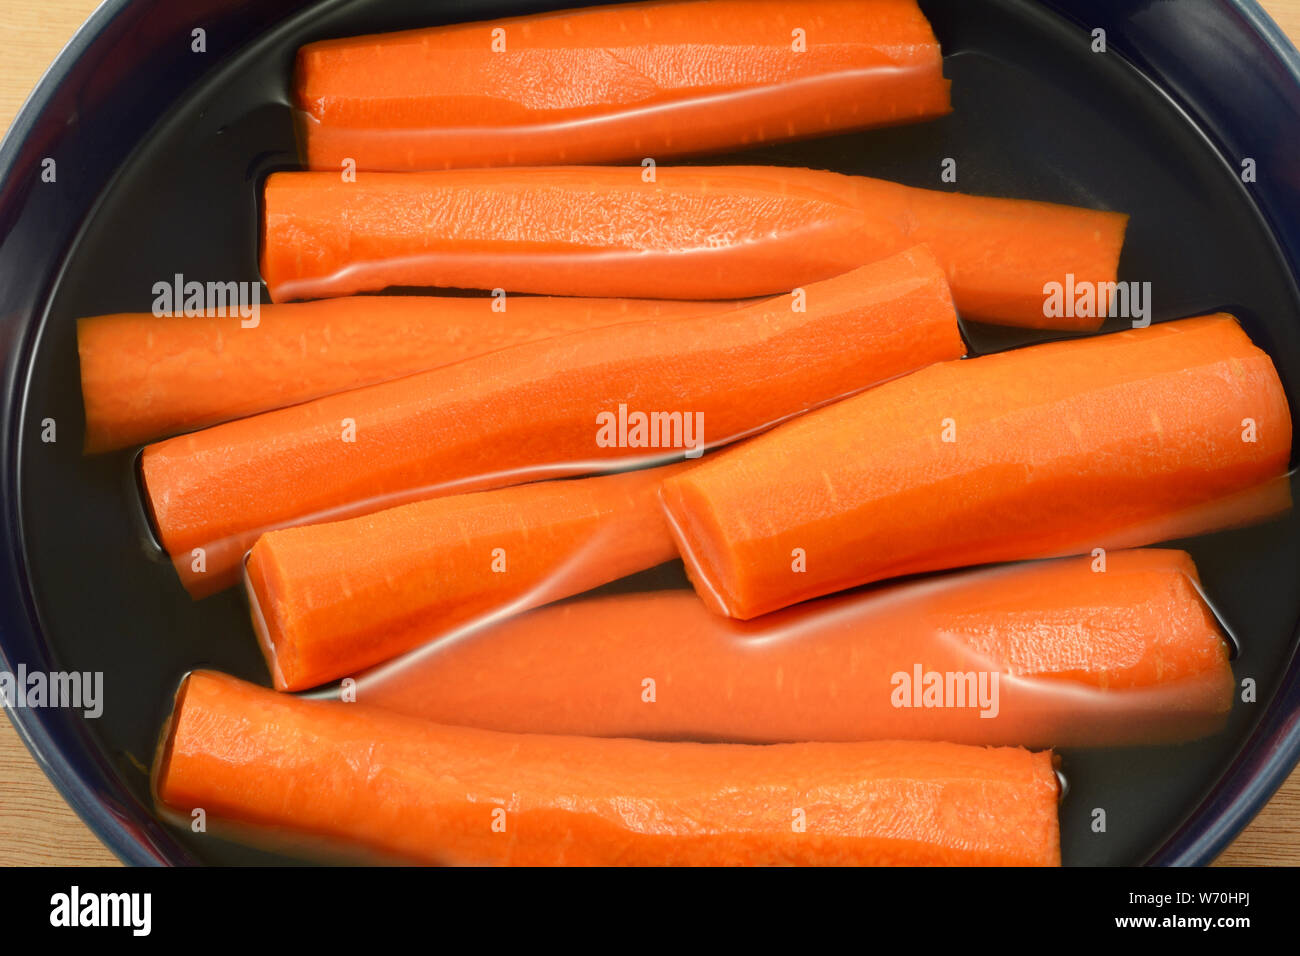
145 377
1000 254
1054 449
397 785
647 79
332 599
692 233
1131 656
530 412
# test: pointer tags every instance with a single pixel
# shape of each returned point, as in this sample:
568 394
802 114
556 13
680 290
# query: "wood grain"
37 827
1287 15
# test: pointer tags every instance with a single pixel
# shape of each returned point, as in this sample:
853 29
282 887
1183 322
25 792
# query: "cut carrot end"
263 579
160 772
1001 457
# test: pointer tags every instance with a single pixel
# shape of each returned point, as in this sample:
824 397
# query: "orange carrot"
144 377
1001 254
1048 654
566 405
691 233
331 599
403 787
1054 449
617 83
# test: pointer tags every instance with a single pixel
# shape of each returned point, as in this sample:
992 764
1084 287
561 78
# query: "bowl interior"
1036 114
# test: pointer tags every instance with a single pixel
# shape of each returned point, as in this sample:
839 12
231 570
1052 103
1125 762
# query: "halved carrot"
617 83
1049 450
404 787
144 377
331 599
692 233
540 410
1047 654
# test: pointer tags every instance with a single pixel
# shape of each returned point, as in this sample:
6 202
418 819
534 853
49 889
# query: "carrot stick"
144 378
544 409
1058 655
692 233
404 787
1001 253
1054 449
617 83
331 599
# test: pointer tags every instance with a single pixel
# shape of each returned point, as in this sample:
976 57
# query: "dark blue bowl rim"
33 731
1265 761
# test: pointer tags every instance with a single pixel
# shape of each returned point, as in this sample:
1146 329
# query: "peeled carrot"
692 233
1048 654
617 83
1002 253
331 599
144 377
1054 449
403 787
535 411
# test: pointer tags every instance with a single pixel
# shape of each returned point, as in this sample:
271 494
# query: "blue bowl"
130 80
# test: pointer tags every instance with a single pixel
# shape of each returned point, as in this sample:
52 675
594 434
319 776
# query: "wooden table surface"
37 827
